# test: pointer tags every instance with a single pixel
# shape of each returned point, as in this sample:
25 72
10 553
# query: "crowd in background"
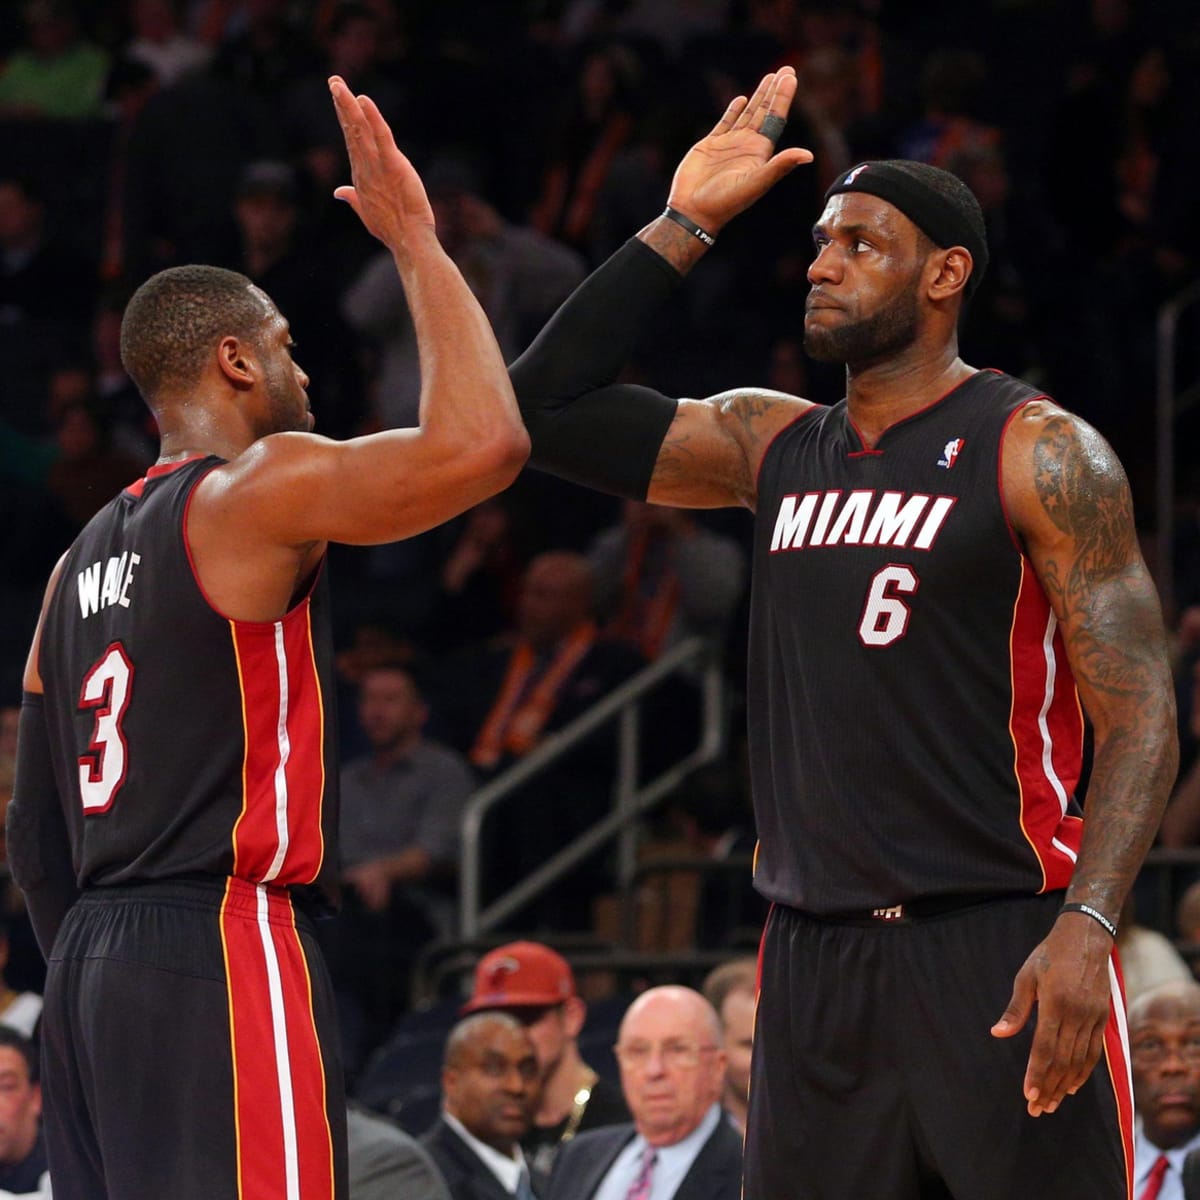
140 134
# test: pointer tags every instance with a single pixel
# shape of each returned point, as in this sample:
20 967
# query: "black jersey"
914 726
184 742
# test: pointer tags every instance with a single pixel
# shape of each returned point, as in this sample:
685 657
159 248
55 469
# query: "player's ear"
953 270
236 361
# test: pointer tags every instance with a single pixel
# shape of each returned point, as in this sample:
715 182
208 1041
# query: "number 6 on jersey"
105 692
885 617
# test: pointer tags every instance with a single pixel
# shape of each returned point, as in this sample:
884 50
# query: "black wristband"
1095 914
690 225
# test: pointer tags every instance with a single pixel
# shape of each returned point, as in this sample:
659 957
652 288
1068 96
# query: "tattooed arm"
1069 501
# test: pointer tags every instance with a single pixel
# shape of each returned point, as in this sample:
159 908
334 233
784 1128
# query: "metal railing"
1167 415
630 799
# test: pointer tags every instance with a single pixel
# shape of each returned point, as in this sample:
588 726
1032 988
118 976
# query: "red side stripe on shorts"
284 1144
1120 1071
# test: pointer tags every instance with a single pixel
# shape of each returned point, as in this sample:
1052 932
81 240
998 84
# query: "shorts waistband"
911 912
204 891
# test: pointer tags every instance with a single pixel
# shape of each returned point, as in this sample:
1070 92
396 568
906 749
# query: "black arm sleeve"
39 846
583 426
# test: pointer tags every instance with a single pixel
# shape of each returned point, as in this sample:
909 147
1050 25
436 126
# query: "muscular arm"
39 848
1070 503
259 524
631 440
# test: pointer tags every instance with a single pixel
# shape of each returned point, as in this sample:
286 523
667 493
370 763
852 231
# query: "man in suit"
732 990
490 1091
1164 1044
678 1147
385 1162
535 984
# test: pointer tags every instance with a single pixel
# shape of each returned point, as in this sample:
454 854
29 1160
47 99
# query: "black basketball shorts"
875 1074
190 1049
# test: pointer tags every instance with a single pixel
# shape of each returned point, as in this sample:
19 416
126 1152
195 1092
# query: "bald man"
1164 1041
678 1147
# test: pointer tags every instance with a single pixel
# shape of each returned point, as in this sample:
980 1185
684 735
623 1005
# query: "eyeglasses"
636 1055
1153 1051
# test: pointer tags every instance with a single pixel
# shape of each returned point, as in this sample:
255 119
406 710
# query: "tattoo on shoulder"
1083 490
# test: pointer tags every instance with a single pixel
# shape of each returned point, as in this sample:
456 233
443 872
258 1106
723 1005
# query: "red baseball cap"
520 975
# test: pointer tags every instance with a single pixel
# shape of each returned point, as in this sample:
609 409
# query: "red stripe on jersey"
1116 1057
277 837
284 1144
1046 727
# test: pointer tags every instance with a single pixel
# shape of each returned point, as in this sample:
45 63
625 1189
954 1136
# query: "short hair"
464 1032
23 1046
176 318
737 975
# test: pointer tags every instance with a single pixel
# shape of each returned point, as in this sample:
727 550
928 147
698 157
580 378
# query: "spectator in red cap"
535 985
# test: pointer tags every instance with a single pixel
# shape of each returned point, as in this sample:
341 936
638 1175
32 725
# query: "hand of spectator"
387 193
727 171
1067 977
373 883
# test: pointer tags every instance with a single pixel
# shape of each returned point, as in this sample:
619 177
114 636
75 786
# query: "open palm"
729 169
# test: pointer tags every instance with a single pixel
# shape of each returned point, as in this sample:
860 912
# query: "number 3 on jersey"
885 615
105 693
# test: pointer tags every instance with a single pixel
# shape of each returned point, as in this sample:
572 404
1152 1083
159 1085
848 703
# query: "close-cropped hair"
737 975
176 317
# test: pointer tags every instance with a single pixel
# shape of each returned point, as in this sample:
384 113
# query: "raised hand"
387 192
727 171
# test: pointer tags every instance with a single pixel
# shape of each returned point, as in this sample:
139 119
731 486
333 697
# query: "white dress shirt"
507 1170
671 1165
1144 1157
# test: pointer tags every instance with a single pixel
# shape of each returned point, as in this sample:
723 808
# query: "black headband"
945 220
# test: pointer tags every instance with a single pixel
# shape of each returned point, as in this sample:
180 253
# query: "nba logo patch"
855 174
951 452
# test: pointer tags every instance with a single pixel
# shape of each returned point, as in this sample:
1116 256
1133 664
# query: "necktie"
524 1190
639 1189
1154 1181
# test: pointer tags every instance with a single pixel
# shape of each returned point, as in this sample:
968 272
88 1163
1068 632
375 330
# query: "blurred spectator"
535 984
57 73
18 1010
500 699
672 1071
519 276
399 830
22 1150
732 990
354 41
479 579
596 123
267 52
490 1092
1187 916
661 577
1164 1044
277 255
953 83
387 1164
187 148
46 294
158 42
134 430
1148 958
713 810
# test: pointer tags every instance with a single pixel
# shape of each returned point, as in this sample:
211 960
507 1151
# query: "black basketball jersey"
914 726
184 742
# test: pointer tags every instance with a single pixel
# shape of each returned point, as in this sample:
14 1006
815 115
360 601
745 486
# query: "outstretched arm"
259 525
1070 502
585 427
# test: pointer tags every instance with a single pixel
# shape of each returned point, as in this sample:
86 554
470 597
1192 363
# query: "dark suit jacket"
585 1160
466 1174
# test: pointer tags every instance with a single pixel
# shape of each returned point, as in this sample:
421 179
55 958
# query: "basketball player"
176 764
945 568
